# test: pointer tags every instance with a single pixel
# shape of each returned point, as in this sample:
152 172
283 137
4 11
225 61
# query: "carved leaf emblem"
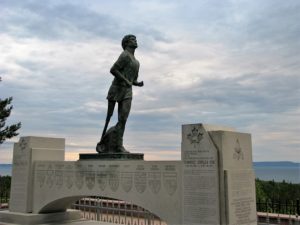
23 144
195 136
238 153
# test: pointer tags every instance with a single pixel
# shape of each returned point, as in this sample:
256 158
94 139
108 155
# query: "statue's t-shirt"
129 68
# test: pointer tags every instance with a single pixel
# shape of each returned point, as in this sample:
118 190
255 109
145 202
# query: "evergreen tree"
7 132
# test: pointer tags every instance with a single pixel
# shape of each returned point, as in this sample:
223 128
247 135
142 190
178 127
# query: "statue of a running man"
125 70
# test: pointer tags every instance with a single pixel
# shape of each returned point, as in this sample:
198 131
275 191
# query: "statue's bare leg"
123 113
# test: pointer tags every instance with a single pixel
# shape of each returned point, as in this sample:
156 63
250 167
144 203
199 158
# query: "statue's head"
129 40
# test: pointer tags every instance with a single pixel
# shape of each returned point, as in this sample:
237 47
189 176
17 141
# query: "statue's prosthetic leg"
110 111
112 140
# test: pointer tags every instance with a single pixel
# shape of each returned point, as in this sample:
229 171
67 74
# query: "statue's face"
132 42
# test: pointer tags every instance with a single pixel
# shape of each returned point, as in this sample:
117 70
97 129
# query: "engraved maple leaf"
195 136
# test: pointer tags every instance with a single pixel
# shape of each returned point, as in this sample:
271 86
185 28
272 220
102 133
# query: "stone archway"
155 186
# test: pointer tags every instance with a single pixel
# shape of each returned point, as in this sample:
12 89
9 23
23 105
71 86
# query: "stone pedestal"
32 218
112 156
218 179
237 178
26 151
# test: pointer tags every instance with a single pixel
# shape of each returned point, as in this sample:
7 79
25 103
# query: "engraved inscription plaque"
241 197
170 179
200 177
41 174
69 176
50 176
59 179
154 181
127 181
114 180
20 176
90 177
101 177
102 180
170 182
140 179
114 177
79 176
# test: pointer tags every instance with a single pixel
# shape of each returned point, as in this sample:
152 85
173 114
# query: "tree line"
5 182
6 132
277 197
276 191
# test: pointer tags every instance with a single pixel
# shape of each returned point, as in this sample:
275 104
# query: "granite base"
111 156
32 218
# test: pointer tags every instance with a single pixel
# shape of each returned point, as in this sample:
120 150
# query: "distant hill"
276 164
5 169
5 165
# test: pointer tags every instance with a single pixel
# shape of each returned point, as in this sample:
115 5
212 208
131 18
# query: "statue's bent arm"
136 82
119 65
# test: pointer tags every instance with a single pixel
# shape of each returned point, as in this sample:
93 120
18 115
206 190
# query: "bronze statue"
125 70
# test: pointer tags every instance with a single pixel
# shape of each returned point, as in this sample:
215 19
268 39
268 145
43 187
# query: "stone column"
200 177
237 178
26 152
218 178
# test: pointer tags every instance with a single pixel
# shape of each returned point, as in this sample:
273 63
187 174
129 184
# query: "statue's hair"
126 39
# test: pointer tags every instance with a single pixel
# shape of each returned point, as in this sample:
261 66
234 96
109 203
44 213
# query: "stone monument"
218 178
213 183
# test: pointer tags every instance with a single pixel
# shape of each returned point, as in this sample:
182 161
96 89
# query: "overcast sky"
228 62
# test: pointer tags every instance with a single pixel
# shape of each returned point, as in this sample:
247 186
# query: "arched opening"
59 205
115 211
105 209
